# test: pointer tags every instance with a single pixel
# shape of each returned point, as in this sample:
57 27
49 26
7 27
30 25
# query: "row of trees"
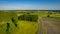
28 17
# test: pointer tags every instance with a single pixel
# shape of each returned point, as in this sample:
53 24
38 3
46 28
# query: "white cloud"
28 7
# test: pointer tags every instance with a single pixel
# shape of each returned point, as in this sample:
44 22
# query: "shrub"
48 16
8 25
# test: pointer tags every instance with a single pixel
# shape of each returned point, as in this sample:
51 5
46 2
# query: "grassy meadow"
23 26
10 24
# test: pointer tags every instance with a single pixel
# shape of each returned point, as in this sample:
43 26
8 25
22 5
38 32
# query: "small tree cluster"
28 17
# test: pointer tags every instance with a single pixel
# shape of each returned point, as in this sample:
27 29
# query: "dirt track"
40 27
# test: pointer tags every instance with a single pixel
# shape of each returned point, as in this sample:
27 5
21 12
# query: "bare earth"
52 25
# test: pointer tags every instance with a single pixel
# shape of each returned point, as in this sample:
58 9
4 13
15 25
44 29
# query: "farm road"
40 26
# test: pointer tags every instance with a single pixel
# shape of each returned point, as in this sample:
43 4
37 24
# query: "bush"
48 16
8 25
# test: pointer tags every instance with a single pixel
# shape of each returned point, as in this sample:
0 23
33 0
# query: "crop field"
28 21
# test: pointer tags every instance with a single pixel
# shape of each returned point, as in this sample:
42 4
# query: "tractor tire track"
40 27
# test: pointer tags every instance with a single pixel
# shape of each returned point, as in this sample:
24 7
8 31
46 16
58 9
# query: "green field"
23 26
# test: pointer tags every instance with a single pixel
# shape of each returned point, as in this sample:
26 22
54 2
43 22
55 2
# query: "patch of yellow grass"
25 27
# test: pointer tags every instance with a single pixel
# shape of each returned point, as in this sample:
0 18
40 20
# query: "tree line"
28 17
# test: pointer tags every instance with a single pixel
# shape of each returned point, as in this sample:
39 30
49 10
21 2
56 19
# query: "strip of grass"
43 26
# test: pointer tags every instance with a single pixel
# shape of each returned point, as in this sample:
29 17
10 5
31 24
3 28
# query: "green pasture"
23 27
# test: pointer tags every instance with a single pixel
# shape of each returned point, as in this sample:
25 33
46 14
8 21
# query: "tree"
14 21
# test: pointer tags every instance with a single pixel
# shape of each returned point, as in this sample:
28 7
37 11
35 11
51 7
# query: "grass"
27 27
42 13
24 27
56 16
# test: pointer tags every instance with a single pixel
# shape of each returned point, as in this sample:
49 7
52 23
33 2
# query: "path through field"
52 26
40 27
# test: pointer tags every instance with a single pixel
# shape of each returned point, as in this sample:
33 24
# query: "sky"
29 4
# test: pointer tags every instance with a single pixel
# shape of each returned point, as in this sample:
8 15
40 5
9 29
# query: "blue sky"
29 4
